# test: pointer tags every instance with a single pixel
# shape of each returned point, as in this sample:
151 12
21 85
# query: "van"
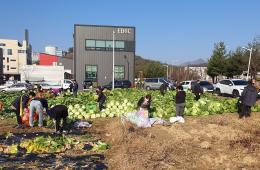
155 83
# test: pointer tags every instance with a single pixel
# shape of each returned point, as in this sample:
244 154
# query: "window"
9 52
3 66
21 51
13 60
2 44
7 60
90 44
91 72
7 68
120 45
119 72
103 45
100 45
240 82
109 45
13 68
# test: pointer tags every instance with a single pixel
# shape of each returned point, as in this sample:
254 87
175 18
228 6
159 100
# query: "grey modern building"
93 53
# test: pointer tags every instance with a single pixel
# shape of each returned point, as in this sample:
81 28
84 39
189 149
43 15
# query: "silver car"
21 87
155 83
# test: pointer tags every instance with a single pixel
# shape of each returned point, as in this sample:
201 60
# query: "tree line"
233 63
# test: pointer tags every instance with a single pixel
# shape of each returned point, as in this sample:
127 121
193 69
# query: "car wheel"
3 91
235 94
218 92
148 88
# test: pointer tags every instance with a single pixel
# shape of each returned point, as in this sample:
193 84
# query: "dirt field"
212 142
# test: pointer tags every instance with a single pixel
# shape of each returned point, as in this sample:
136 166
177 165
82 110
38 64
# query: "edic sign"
124 30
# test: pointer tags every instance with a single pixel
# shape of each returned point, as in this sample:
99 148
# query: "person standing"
20 104
163 88
101 98
75 88
248 99
71 87
36 106
180 101
196 89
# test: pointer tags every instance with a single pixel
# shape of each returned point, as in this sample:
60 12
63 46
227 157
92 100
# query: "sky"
171 31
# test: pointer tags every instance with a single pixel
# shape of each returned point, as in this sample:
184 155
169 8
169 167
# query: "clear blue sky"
171 31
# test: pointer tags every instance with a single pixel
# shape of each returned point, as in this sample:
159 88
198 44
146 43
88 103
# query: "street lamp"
249 62
166 71
113 69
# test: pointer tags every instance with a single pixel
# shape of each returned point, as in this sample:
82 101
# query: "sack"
139 121
26 117
177 119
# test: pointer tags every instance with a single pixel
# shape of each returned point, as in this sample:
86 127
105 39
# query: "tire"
218 92
235 93
148 88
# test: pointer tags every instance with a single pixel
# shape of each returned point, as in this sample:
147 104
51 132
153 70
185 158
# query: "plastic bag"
26 117
177 119
138 120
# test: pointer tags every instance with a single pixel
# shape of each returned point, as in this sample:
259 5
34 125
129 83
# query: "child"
180 101
144 105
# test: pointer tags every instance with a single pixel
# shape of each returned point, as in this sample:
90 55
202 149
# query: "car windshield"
240 82
203 83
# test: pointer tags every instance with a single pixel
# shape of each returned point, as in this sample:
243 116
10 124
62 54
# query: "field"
214 141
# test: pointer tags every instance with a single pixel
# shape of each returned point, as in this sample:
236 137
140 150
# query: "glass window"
91 72
13 68
13 60
119 72
100 45
90 44
7 60
240 82
21 51
120 44
9 52
7 67
109 45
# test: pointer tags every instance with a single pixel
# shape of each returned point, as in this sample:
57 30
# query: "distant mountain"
197 62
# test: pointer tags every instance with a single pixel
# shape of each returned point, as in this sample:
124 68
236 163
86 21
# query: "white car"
232 87
187 84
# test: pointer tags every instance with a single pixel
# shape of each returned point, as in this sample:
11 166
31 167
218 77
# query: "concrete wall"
103 59
16 59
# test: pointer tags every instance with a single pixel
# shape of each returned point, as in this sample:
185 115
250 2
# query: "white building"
14 56
201 71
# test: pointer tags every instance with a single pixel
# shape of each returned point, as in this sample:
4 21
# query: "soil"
211 142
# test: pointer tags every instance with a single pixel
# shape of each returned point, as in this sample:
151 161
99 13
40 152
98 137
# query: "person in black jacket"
21 101
248 99
75 88
180 101
196 89
101 98
163 88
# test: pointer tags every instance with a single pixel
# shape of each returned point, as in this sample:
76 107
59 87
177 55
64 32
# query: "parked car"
155 83
232 87
23 87
87 83
206 86
187 84
66 84
119 84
